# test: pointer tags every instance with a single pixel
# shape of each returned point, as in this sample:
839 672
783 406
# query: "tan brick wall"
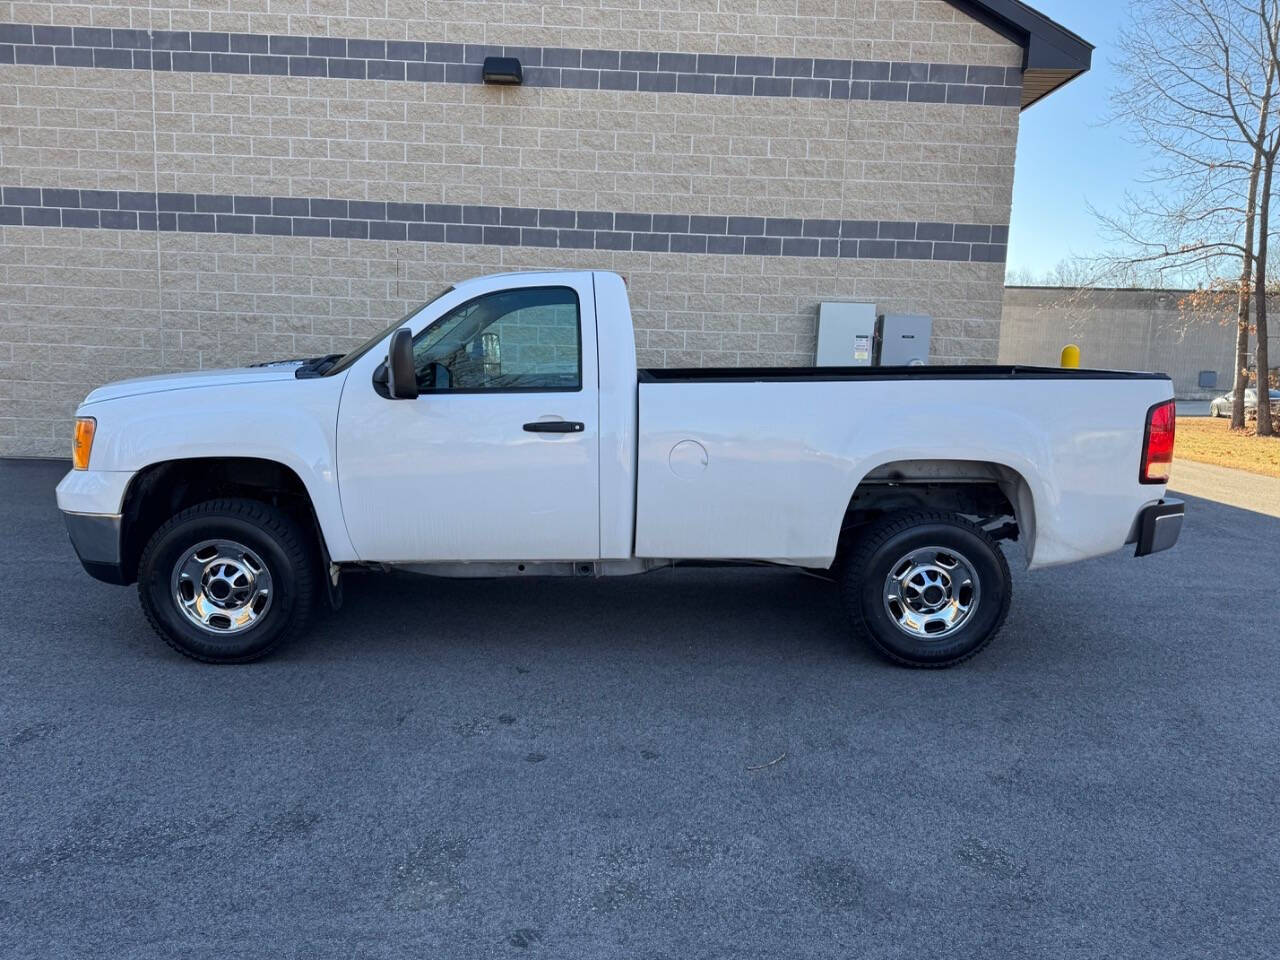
375 140
82 307
913 30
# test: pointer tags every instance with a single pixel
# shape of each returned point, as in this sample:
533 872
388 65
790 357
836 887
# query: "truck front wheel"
227 581
926 589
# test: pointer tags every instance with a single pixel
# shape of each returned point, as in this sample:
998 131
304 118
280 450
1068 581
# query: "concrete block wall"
538 339
1127 329
200 185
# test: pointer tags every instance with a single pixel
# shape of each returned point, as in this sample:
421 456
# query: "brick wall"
179 199
541 339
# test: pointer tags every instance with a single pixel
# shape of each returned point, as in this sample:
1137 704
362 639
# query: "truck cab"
517 436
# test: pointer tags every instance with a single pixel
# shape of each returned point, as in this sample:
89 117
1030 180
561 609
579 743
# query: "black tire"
883 547
274 539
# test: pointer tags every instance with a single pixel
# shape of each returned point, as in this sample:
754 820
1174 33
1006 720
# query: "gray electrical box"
846 334
903 339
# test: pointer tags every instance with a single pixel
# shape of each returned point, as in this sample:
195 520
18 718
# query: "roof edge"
1049 50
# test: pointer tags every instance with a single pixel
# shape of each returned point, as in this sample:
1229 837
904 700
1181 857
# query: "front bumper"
96 539
1157 526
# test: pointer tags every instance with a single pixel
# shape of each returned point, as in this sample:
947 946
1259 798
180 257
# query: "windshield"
350 358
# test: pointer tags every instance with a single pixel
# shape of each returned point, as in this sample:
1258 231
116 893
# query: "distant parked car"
1221 407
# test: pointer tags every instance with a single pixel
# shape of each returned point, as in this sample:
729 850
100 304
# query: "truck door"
498 457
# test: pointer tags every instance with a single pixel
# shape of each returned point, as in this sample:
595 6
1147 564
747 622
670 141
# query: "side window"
524 339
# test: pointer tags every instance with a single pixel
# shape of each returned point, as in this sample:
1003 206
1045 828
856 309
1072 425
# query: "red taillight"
1157 446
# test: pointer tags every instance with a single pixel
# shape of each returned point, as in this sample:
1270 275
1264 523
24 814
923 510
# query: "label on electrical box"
861 346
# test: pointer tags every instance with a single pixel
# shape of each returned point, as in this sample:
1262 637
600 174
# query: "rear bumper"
1157 526
96 539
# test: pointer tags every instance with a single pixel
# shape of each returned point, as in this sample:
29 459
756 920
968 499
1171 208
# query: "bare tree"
1083 272
1266 145
1265 426
1074 274
1199 83
1241 377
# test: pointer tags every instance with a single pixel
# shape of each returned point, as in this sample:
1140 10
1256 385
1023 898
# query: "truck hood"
164 382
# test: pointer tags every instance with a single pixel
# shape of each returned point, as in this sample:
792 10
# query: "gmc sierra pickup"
502 429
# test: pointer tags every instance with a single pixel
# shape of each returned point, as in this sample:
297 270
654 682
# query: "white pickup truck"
502 429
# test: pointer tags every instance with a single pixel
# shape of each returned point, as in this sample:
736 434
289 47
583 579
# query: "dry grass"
1207 440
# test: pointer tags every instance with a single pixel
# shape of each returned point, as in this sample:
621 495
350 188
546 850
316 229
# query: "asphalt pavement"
1250 491
687 764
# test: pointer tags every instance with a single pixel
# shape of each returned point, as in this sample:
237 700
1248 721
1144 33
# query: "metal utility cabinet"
846 334
902 340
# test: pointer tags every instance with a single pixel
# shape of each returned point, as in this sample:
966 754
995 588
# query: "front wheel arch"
164 489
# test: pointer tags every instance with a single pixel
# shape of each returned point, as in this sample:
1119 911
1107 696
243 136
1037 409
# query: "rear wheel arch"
983 489
164 489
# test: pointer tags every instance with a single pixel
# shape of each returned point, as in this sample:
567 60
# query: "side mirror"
402 379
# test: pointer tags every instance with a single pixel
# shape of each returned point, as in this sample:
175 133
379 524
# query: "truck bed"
760 463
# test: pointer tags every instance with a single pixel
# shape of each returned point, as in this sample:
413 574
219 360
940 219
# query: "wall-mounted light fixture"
502 70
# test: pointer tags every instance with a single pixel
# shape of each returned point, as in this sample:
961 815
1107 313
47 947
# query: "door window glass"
523 339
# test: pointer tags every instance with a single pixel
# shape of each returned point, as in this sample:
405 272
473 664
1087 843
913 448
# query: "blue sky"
1067 158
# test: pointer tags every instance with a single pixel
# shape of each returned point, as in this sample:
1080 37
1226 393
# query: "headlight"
83 442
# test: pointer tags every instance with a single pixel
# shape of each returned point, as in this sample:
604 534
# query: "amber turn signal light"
83 442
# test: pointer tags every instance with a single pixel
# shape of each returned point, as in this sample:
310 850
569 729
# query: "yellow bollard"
1071 356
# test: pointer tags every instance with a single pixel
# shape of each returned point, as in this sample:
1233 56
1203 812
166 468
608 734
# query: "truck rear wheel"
926 589
227 581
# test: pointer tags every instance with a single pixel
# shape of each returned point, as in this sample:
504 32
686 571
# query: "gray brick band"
502 226
302 56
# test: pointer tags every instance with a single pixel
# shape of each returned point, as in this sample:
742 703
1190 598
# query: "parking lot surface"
568 768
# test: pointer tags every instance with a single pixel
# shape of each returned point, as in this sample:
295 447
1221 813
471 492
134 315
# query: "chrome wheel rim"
931 592
221 586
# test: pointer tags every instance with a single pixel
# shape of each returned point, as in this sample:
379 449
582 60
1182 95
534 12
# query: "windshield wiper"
307 366
317 366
